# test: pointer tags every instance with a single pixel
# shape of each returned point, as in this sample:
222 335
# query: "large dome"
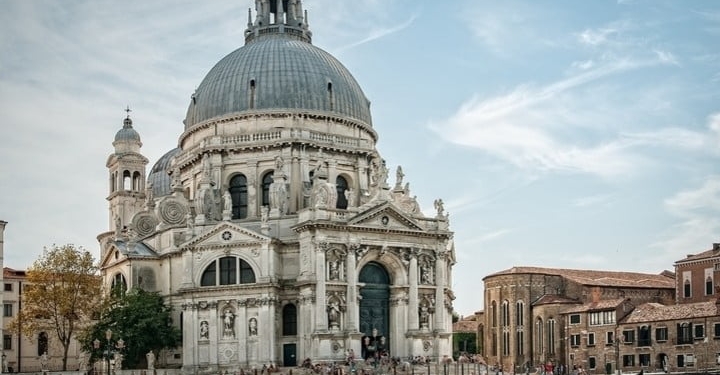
278 73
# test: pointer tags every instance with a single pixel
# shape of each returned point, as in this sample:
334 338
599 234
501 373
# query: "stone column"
241 330
440 311
295 185
187 260
253 195
332 171
321 321
190 321
413 318
352 299
269 318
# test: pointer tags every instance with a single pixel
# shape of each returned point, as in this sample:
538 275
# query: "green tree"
141 319
464 342
62 292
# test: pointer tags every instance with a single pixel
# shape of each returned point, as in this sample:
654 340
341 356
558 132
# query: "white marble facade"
272 230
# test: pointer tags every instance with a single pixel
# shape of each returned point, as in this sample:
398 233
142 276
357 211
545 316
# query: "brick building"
695 276
526 309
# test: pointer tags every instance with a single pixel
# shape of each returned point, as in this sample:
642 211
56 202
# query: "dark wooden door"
289 355
374 304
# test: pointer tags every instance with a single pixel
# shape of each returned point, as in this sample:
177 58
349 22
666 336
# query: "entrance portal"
374 309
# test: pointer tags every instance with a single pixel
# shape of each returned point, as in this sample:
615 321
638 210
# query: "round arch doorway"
374 310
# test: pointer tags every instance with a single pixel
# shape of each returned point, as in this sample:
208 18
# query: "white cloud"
487 236
666 57
595 37
518 127
378 33
592 200
696 202
583 65
699 212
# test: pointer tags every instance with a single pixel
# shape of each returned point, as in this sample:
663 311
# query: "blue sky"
559 133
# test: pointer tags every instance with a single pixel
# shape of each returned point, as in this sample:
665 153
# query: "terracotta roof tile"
653 312
466 325
707 254
553 299
597 277
595 306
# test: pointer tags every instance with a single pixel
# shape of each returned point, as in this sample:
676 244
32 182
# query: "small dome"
159 175
127 133
278 73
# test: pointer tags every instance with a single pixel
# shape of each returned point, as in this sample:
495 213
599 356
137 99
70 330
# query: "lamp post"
110 349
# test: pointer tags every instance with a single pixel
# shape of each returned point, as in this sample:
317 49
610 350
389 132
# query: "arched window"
644 336
551 336
42 347
208 277
687 289
252 94
519 313
127 180
493 313
539 335
119 285
341 185
228 270
266 181
289 316
228 274
238 193
113 182
137 181
709 286
505 315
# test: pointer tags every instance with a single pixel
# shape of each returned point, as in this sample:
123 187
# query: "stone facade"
273 230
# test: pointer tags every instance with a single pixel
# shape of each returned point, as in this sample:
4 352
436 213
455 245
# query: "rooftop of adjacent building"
707 254
598 277
654 312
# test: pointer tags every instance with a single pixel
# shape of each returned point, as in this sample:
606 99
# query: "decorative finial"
127 122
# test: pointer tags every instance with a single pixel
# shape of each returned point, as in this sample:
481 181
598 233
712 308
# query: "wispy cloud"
698 211
666 57
595 37
519 127
487 236
378 33
592 200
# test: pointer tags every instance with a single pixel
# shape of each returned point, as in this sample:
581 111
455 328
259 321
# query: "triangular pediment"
387 216
225 234
122 249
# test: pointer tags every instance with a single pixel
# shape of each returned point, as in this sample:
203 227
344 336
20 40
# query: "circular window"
226 235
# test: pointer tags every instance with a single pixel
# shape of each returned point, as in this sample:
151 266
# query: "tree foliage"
63 290
464 342
141 319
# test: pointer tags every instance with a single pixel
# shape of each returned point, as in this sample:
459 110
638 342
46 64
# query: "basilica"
274 229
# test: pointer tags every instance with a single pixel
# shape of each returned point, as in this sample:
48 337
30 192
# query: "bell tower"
278 17
126 167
